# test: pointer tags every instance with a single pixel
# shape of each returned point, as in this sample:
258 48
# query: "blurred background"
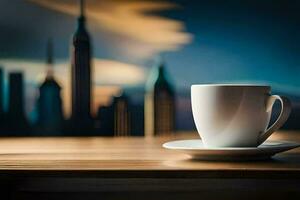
124 67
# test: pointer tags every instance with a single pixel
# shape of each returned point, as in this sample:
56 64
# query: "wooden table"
137 168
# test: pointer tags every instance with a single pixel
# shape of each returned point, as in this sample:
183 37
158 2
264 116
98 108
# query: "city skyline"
112 120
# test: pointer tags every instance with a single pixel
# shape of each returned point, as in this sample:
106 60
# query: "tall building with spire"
159 103
49 102
81 71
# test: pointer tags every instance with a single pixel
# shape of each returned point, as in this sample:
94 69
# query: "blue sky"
240 41
212 41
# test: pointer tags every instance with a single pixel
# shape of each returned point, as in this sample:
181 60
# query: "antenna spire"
49 59
50 52
81 8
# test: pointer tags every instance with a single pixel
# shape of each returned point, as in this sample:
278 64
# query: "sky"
251 41
214 41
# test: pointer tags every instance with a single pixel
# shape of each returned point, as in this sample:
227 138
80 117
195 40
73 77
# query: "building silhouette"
137 119
16 95
159 103
17 124
2 113
81 79
105 121
1 91
115 119
122 116
81 70
49 102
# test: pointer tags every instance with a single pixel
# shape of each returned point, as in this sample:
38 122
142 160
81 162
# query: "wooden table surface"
137 168
128 154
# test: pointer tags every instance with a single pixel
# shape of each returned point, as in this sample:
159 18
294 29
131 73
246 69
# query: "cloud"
135 21
116 73
106 72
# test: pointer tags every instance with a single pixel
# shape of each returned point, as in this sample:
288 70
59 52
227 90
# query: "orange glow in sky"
131 19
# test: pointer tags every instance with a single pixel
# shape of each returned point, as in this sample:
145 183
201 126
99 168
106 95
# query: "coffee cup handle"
283 116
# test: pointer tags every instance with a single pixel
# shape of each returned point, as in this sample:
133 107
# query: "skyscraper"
121 114
2 114
159 104
105 121
137 127
115 119
1 90
81 70
49 103
17 122
16 95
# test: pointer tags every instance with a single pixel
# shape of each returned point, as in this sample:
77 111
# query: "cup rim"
230 85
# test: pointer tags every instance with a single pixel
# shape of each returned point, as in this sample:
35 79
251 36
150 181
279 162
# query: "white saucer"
196 149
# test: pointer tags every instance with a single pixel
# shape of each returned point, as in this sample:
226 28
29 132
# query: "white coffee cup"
231 115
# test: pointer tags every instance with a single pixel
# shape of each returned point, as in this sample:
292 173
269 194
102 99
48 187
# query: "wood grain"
128 155
137 168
